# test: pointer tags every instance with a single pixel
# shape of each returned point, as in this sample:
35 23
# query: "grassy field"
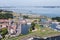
41 32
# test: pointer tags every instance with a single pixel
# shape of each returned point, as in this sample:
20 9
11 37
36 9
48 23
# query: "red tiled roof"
4 20
23 21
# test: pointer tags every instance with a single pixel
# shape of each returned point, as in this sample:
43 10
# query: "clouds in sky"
29 2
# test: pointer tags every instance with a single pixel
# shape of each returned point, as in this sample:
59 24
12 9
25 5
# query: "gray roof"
0 36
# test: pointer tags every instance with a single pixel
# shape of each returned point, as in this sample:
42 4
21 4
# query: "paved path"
27 37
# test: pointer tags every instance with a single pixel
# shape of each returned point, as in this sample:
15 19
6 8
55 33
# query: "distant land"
48 6
50 11
30 6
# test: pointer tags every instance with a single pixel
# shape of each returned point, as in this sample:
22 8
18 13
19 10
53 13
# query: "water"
54 26
25 28
50 12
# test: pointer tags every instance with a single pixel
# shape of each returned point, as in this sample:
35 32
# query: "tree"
6 15
25 17
56 18
33 25
3 32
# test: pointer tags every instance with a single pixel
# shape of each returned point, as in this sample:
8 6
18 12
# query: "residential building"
4 23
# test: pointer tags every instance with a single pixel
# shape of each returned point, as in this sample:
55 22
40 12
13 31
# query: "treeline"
56 18
5 11
6 15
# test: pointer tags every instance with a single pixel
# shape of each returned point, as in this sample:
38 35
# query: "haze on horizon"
24 3
29 2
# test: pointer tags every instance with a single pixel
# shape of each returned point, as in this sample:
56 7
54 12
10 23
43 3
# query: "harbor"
29 19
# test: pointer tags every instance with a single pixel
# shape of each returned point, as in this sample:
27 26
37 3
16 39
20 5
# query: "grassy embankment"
41 32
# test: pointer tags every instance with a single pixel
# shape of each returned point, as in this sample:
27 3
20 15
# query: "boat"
58 26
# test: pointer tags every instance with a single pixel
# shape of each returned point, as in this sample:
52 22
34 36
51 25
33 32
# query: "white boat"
58 26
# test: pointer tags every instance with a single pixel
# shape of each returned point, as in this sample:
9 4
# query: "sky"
29 2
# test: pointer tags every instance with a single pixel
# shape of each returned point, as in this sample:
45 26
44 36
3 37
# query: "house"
0 36
12 29
4 23
9 24
15 28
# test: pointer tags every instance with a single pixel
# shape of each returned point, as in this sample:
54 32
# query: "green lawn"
41 32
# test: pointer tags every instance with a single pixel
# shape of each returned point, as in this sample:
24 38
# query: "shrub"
3 32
